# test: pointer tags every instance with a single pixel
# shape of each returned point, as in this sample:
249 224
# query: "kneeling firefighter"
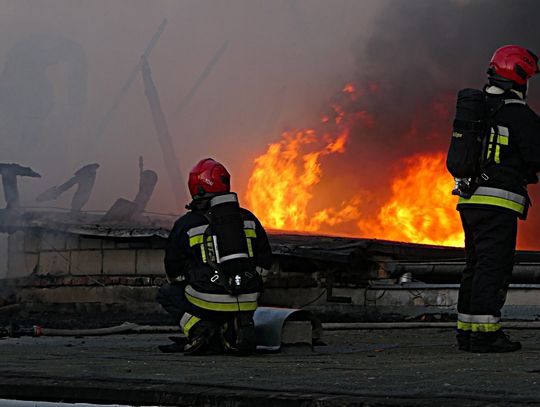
214 259
494 154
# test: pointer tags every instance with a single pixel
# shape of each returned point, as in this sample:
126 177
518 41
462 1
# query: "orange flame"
281 188
421 209
281 185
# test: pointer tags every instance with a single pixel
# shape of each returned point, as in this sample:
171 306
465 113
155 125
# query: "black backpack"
226 247
473 122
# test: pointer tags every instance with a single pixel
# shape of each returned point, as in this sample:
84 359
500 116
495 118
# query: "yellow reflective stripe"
492 200
485 327
474 327
192 321
203 253
220 306
194 240
464 326
250 247
502 140
250 233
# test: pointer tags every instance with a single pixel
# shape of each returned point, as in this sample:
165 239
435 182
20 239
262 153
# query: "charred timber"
84 178
9 174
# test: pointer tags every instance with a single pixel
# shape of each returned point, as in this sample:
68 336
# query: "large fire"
281 185
419 209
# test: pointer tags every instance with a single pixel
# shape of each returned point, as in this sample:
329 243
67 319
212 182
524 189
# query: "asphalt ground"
405 367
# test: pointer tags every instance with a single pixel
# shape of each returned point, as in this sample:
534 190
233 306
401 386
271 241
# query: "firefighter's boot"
492 342
239 334
204 339
463 339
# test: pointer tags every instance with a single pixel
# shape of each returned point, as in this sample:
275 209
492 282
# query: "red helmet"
208 177
513 63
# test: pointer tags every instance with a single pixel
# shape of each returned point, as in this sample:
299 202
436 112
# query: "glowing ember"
421 209
349 88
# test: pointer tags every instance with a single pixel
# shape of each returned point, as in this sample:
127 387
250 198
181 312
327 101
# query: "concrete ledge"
86 262
54 263
21 264
150 262
119 261
53 241
103 295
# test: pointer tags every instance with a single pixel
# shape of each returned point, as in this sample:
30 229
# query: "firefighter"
214 260
489 217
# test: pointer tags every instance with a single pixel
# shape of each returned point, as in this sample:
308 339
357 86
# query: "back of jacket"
513 153
518 159
185 255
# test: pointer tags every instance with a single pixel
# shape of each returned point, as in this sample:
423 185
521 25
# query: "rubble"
9 173
84 178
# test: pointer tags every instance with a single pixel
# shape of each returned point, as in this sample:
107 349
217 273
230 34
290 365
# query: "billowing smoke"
63 65
409 69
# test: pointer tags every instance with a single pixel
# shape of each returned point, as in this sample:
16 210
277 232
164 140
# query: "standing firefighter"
494 154
214 259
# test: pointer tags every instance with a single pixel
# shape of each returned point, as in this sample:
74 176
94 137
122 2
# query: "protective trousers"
192 318
173 299
490 241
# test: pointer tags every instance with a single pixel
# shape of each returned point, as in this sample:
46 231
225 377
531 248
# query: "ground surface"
369 368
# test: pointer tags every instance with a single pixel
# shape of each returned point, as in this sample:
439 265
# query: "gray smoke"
418 55
62 64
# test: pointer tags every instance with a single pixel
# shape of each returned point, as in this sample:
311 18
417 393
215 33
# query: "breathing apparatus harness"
227 245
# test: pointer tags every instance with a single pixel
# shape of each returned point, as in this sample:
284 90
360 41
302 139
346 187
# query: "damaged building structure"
74 267
65 270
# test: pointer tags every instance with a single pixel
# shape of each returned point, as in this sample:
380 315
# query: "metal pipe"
451 271
337 326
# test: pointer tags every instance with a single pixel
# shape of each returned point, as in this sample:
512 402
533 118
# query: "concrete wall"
47 253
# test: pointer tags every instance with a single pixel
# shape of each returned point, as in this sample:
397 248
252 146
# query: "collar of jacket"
496 91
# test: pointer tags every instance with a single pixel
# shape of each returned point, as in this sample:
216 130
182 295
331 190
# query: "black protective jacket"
185 259
518 154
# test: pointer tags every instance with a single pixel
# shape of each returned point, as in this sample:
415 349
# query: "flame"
281 187
420 209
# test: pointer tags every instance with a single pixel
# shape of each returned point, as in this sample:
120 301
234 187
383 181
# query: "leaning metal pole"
202 77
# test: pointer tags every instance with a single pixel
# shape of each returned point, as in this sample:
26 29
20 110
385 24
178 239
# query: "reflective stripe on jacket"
222 302
496 197
197 236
